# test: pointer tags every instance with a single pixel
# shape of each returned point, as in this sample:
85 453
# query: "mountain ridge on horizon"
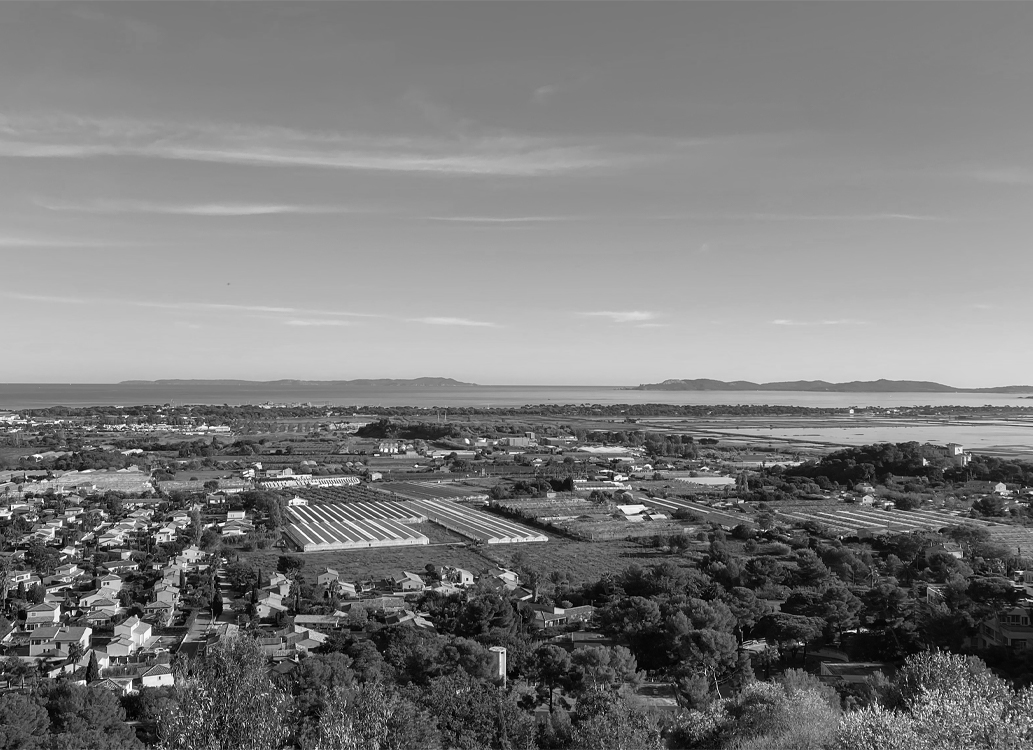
854 386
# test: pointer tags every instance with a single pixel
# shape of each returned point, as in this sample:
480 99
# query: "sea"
15 396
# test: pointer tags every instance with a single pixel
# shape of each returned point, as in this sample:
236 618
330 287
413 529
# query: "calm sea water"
29 396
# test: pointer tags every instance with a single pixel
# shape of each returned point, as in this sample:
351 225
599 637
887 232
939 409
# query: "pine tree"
92 669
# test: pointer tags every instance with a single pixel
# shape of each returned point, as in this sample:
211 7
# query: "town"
545 559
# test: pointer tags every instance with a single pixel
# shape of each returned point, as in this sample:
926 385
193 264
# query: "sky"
516 192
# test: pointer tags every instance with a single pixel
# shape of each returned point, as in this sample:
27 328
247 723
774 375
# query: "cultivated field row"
474 523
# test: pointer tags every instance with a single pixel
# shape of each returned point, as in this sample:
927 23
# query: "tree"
24 722
92 669
604 719
42 559
944 702
216 605
594 667
290 565
551 666
5 576
87 717
792 631
196 526
227 703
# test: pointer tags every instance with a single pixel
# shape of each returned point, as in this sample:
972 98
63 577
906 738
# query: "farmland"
432 491
378 563
584 519
354 493
354 526
358 516
850 519
475 524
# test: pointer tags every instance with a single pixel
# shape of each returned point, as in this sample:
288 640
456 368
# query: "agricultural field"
475 524
342 494
376 564
722 516
352 526
584 519
842 518
583 562
432 491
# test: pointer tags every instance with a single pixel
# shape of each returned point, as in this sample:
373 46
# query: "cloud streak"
839 322
318 322
66 137
301 317
838 217
197 209
627 316
445 321
190 306
505 219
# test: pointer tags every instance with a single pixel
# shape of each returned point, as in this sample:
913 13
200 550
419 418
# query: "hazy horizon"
521 193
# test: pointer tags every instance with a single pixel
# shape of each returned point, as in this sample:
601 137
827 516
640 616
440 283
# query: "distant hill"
855 386
402 383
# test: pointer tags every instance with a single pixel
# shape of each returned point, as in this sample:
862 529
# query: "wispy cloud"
1007 176
504 219
505 155
839 322
434 321
627 316
542 94
26 241
287 315
318 322
189 306
838 217
196 209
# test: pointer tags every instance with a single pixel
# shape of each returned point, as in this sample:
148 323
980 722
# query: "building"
58 641
1011 629
157 676
42 615
134 630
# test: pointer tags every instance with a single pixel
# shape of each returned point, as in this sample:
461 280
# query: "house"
117 650
120 566
157 676
118 687
1011 628
406 581
166 593
135 631
269 603
410 619
111 583
42 615
553 617
327 577
58 640
165 535
68 571
458 576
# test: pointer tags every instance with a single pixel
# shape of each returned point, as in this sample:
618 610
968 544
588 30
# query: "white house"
157 676
135 631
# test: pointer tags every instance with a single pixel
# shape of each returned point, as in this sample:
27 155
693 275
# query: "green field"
361 565
582 561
